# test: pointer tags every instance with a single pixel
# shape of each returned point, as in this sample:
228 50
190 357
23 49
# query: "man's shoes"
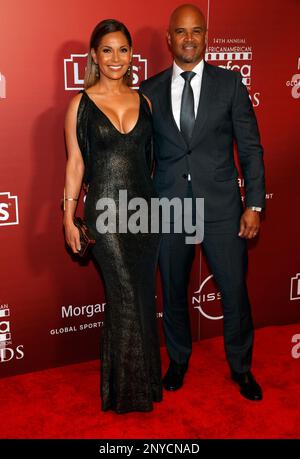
249 388
174 376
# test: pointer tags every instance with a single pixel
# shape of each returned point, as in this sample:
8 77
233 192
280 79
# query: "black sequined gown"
130 353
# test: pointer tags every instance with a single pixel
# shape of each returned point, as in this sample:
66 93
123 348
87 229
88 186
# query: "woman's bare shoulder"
72 110
75 101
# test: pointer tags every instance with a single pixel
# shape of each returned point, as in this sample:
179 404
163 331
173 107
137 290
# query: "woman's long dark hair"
104 27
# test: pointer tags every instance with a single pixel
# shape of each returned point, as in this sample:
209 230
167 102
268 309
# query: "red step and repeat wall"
51 304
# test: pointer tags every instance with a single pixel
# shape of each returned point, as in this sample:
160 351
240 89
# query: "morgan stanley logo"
2 86
295 287
74 69
9 214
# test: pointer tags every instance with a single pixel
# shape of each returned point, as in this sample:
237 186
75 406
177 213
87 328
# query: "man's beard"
190 60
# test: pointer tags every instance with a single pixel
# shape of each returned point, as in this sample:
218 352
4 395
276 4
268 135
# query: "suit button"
189 152
184 176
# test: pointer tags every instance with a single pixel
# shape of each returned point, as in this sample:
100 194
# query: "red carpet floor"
64 402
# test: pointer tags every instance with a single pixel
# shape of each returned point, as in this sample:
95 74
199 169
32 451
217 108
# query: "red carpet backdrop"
51 305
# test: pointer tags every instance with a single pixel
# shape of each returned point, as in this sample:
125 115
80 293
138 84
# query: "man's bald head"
183 10
187 35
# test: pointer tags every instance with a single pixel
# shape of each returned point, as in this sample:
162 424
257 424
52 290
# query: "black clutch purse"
86 241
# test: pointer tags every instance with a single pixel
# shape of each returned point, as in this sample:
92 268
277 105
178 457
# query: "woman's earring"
128 73
97 70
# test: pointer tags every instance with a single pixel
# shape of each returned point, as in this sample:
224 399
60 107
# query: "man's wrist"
256 209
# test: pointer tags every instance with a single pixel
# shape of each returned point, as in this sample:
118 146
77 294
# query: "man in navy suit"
199 111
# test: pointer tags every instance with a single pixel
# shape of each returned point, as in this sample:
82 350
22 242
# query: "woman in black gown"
108 134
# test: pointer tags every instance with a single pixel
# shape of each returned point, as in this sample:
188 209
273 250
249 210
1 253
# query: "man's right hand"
249 224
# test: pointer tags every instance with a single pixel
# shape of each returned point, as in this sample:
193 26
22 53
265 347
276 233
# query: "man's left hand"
249 224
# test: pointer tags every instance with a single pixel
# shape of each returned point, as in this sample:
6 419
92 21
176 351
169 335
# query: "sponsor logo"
294 82
234 61
234 54
74 69
295 288
5 335
7 351
208 300
241 183
9 214
296 348
74 329
139 70
87 310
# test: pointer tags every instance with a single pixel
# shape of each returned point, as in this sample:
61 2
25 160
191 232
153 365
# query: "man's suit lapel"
206 93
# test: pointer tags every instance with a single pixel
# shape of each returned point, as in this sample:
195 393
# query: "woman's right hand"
72 236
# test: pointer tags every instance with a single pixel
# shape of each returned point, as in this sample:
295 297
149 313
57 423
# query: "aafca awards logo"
74 69
294 83
2 86
295 287
234 54
9 214
7 351
208 300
